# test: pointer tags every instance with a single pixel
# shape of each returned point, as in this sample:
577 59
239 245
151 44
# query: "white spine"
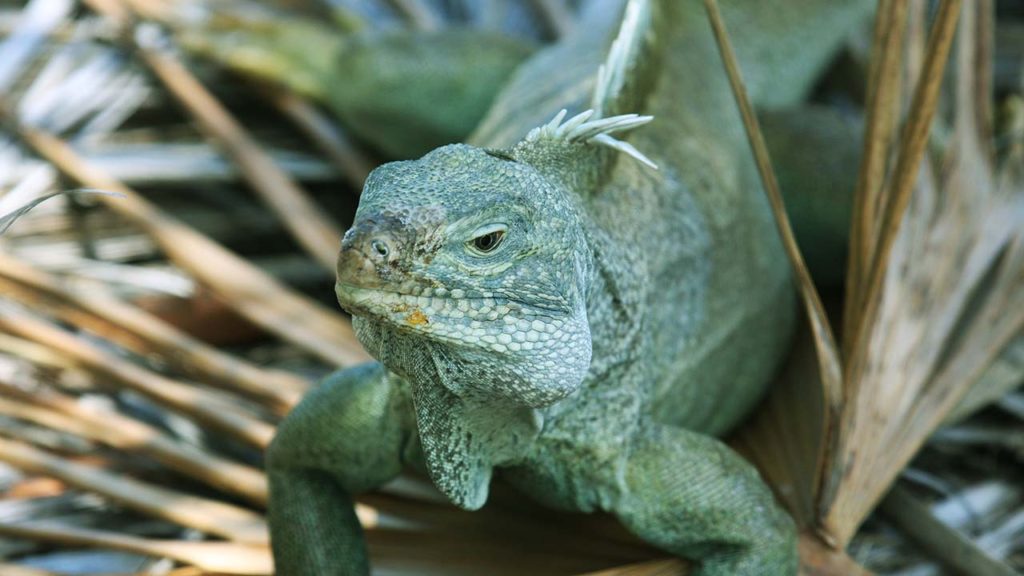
590 127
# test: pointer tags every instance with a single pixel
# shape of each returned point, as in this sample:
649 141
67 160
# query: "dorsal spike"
592 126
611 76
574 122
553 125
580 129
626 147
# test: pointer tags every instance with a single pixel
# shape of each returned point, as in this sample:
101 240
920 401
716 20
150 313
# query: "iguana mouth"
399 308
426 292
424 312
492 325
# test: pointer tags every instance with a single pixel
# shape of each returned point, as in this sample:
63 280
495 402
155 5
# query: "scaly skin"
402 92
623 316
406 93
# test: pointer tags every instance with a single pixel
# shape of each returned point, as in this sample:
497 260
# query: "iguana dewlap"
548 303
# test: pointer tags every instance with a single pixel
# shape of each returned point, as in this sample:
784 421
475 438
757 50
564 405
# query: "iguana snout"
372 252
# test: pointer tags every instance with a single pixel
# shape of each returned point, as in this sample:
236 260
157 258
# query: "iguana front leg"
346 437
689 494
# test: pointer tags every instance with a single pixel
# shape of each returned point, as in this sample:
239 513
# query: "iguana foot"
347 436
689 494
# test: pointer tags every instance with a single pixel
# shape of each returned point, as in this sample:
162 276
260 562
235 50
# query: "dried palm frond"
941 296
8 217
934 291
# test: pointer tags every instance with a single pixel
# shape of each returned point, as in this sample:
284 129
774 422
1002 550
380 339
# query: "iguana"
402 92
580 312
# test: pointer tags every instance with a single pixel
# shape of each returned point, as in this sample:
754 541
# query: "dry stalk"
17 570
183 398
325 134
59 412
248 290
915 136
837 524
944 543
307 223
982 66
147 335
829 366
208 516
932 392
242 286
818 559
33 352
219 557
882 115
37 21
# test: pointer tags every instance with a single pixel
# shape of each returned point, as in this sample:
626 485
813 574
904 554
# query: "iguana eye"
487 239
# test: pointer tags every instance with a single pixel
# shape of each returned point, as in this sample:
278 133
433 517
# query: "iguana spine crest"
581 129
611 76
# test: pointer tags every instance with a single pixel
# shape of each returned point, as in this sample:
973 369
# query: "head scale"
468 269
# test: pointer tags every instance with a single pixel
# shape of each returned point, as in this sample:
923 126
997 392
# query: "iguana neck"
577 168
614 299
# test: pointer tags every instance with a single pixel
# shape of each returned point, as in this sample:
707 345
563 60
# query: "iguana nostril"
380 248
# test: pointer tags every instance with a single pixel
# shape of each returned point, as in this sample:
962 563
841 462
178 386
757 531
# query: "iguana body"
402 92
552 308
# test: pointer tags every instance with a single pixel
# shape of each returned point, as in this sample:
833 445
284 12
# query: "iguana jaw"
488 322
490 346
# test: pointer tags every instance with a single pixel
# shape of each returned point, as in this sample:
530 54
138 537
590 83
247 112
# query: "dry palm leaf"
307 223
60 412
190 400
255 295
8 217
146 335
934 289
828 353
209 516
324 134
956 550
940 297
219 557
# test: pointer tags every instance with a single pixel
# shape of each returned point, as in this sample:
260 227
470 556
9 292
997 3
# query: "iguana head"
467 272
468 268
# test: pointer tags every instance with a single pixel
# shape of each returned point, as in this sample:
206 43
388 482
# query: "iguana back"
716 304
